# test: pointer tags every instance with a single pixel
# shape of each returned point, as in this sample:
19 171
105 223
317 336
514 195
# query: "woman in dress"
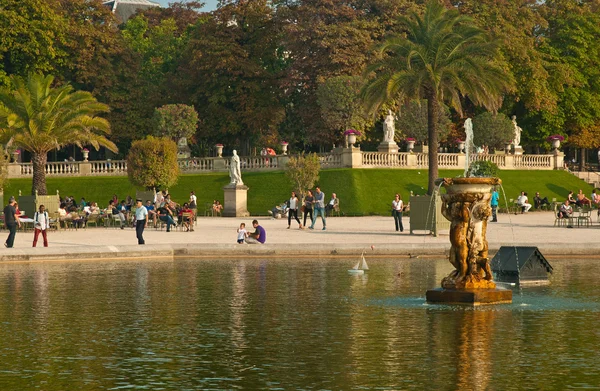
293 210
309 200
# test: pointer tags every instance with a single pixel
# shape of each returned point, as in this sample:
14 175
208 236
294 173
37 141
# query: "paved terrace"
216 237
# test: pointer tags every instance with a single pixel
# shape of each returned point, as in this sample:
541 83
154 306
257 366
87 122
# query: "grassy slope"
361 192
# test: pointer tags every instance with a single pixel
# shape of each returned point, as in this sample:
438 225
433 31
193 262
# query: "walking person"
11 220
293 210
319 208
41 223
397 206
141 221
308 206
494 204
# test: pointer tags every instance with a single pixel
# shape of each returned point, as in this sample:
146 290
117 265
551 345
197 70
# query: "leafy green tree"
340 106
40 118
32 42
442 57
412 120
231 74
324 39
303 172
152 163
493 130
572 36
176 121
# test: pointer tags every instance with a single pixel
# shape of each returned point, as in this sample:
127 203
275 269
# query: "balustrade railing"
499 160
380 159
532 161
197 164
109 167
448 160
328 160
258 162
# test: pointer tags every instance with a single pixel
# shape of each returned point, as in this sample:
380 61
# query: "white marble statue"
234 169
389 129
517 139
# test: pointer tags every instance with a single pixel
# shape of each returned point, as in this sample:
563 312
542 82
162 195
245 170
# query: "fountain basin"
472 297
466 205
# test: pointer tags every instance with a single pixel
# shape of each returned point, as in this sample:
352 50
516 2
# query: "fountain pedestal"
466 206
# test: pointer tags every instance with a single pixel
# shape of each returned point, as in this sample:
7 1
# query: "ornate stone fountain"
466 206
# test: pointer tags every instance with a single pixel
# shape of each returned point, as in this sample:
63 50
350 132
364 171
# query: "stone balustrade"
338 158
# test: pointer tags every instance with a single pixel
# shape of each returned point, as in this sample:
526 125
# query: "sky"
210 4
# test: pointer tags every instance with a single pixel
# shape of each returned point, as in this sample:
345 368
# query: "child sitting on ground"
242 233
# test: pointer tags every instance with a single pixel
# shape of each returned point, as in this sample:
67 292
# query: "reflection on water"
285 324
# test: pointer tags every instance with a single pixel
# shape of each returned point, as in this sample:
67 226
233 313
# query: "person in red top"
188 222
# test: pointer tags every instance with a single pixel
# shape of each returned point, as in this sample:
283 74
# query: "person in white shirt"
523 202
41 222
293 210
397 206
242 233
193 201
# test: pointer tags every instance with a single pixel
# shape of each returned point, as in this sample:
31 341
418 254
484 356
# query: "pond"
288 324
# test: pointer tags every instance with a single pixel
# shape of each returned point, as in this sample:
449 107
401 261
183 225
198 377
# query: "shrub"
483 168
303 172
152 163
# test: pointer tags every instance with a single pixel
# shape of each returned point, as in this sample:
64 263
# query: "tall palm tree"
441 56
39 118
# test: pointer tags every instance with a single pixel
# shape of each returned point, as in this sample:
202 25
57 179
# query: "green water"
289 325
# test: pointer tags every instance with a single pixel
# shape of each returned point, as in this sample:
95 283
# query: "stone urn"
86 154
461 146
16 156
507 148
219 148
556 143
284 148
410 145
351 140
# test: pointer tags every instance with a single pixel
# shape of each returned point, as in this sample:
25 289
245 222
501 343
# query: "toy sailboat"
360 266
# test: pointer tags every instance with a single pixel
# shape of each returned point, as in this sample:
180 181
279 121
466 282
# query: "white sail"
364 263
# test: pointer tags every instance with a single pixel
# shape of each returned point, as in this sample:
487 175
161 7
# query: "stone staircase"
591 177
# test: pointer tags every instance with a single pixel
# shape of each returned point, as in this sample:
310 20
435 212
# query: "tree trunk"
583 159
39 161
432 120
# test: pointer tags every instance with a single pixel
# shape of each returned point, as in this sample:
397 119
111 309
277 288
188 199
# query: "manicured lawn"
361 191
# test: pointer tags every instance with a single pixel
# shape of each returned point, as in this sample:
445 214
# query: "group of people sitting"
162 208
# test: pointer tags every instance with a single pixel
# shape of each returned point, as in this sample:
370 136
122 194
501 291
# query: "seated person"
522 201
20 213
77 220
62 211
123 210
188 222
165 214
538 201
571 199
582 199
565 211
595 198
333 204
217 207
258 236
151 212
94 208
115 212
